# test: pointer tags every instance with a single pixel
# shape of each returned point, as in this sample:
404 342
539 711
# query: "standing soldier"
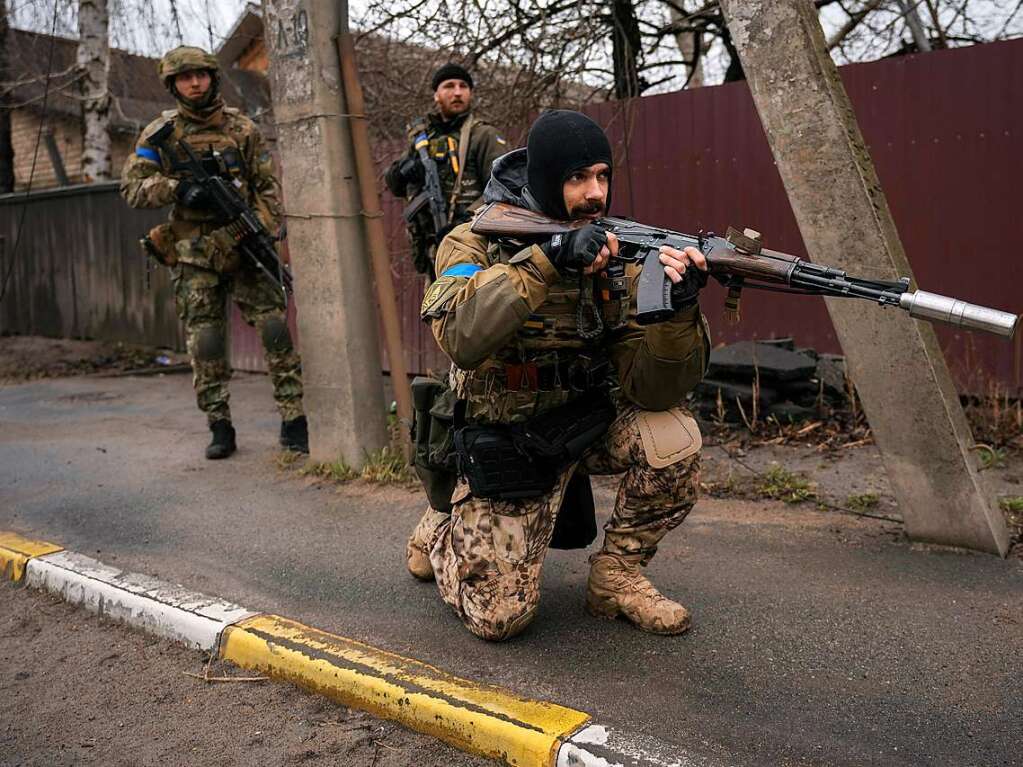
557 381
201 250
461 147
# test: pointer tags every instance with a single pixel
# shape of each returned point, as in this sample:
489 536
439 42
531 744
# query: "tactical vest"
557 354
222 150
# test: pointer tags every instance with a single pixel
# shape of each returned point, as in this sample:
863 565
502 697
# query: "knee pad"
209 343
501 630
275 334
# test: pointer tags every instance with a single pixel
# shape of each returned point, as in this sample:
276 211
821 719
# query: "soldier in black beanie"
460 147
560 143
544 339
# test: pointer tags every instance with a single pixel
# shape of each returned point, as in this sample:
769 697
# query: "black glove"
577 249
411 171
192 195
686 294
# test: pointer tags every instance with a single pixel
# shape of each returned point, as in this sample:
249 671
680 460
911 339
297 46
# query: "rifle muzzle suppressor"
931 306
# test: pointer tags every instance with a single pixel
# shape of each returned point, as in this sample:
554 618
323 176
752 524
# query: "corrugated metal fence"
943 129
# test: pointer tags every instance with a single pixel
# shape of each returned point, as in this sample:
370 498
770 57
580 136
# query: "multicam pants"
200 296
488 555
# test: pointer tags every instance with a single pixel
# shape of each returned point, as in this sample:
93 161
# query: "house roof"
137 91
247 29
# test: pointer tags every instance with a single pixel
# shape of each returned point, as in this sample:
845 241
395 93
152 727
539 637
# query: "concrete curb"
481 719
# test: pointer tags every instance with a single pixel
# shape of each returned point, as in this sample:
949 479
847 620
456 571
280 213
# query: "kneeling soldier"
201 250
555 382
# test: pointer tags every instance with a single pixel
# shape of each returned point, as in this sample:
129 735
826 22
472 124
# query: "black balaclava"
561 142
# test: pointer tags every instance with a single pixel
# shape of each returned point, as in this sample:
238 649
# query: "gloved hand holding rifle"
425 171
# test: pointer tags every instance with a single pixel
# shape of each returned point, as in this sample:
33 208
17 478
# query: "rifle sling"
463 151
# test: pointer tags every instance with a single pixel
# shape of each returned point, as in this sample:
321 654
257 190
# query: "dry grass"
387 466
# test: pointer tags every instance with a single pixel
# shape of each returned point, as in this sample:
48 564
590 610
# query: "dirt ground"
78 690
26 358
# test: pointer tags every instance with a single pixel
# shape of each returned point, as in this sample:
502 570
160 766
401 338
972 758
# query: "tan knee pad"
669 436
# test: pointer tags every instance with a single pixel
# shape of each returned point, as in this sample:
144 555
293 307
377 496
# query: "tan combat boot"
617 587
417 551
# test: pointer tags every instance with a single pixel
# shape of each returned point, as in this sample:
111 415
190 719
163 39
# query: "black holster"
520 461
433 457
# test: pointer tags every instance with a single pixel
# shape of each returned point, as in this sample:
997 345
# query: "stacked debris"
756 380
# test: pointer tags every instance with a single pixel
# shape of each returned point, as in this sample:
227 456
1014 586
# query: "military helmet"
185 58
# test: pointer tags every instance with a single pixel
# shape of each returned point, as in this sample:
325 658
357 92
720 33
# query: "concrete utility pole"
896 363
326 231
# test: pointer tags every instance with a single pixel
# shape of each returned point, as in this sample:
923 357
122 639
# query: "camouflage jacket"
149 178
501 311
485 145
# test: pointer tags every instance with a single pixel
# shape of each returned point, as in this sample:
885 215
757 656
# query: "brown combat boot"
417 550
617 587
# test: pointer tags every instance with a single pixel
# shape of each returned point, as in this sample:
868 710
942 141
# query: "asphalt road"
818 638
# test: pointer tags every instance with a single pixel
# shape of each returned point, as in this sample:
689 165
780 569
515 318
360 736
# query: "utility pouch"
433 456
492 460
158 244
512 461
562 435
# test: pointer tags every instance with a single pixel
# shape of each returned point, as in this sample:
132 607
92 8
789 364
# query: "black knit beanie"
561 142
451 71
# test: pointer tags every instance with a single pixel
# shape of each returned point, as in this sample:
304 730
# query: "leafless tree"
620 48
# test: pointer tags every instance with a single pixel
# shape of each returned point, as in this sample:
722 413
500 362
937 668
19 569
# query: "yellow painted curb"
15 551
482 719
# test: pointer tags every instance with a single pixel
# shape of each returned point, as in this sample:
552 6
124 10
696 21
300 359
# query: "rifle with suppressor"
432 193
253 240
736 261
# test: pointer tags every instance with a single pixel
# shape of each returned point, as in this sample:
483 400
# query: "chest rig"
458 175
221 152
558 354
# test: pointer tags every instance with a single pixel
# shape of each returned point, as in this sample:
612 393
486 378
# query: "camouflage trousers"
200 296
488 555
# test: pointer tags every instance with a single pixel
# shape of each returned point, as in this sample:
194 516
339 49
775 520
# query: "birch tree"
94 70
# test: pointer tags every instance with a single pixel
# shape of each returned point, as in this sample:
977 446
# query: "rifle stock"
737 260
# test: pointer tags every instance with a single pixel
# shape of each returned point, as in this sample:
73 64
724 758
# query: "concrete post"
337 320
895 361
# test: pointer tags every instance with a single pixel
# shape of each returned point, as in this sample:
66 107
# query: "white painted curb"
198 621
152 605
598 746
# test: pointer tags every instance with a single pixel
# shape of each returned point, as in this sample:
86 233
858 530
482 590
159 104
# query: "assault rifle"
432 194
736 261
255 243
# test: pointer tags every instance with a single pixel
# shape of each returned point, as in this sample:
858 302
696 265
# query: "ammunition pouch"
495 463
433 456
516 461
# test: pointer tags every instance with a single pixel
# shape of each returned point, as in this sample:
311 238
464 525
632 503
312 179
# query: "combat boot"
295 435
223 443
417 551
617 588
